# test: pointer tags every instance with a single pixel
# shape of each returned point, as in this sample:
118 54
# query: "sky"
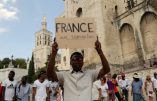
20 19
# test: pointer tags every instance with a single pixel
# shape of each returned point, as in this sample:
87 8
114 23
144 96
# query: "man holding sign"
77 83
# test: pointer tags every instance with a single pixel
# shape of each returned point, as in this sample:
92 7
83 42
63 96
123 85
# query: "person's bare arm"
33 93
51 74
106 68
48 93
100 92
145 87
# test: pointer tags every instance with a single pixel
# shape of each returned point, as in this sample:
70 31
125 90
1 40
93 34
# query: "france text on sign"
75 32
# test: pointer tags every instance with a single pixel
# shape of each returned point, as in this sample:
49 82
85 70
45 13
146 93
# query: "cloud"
3 30
8 11
8 1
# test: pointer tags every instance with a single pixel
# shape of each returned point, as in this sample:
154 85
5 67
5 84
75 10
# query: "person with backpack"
23 90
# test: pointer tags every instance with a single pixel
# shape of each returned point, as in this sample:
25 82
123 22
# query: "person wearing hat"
137 88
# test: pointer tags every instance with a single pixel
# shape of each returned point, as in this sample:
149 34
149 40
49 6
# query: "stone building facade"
43 42
127 29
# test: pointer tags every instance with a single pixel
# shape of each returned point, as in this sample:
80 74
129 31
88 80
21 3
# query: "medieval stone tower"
43 40
127 29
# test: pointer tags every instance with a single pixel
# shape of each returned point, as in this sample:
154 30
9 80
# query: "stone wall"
119 29
18 73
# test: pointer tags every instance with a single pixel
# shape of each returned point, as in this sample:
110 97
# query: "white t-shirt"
104 89
78 86
53 86
41 90
154 82
23 92
124 84
9 89
95 92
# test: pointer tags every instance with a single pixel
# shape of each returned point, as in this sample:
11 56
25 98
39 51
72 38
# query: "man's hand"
54 47
98 46
105 66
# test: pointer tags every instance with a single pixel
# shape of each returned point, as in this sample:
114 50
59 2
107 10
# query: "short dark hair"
76 53
41 72
155 74
12 72
114 76
24 77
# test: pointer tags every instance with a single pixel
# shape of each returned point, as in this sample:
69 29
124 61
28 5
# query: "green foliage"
5 62
31 71
18 62
1 66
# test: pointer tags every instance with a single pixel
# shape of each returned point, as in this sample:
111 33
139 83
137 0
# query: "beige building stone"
127 30
43 42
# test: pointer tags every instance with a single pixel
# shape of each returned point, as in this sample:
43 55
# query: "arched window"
127 41
79 12
148 26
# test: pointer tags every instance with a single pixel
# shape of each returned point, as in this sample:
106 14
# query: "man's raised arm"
106 68
51 74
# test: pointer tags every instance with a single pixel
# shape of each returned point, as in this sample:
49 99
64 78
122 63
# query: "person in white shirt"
104 90
41 88
77 82
53 90
124 85
96 91
154 80
23 90
9 88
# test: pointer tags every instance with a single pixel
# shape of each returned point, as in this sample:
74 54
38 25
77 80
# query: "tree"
31 70
1 66
21 63
5 62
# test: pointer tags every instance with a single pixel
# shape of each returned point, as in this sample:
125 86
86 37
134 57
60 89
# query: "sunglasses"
78 58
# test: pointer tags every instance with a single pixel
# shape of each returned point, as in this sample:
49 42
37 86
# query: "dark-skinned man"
77 82
9 88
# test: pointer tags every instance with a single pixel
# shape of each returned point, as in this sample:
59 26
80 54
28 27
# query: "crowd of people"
115 86
78 84
41 90
105 88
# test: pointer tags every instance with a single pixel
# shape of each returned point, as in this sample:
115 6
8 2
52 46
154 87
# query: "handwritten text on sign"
75 32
